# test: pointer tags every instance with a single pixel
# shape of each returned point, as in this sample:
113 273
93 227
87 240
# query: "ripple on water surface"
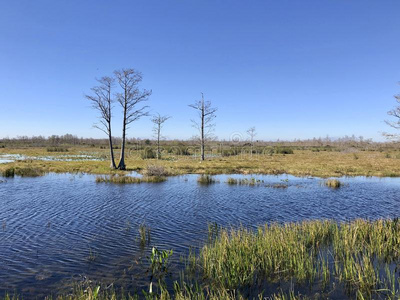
58 228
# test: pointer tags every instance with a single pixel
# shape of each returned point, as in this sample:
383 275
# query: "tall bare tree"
158 121
102 100
205 126
130 99
395 112
252 133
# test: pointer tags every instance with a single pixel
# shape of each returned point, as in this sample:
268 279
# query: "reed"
357 255
10 172
244 181
206 179
23 172
123 179
144 234
333 183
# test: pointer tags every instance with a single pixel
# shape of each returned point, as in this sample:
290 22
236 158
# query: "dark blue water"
60 229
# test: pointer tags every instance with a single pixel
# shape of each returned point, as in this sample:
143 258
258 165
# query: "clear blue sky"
293 69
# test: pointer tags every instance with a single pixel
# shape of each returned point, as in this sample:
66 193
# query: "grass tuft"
123 179
206 179
244 181
333 183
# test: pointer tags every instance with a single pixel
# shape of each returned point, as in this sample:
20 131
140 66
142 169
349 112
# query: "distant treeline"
316 144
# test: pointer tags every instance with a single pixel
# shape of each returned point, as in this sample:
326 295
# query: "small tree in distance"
158 121
395 112
130 100
205 125
101 100
252 133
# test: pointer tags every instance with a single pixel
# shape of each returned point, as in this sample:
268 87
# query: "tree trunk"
121 164
112 165
202 130
158 142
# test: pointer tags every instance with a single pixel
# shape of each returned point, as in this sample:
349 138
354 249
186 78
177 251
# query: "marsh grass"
123 179
10 172
333 183
144 234
278 186
92 256
206 179
356 259
244 181
23 172
357 255
300 163
57 149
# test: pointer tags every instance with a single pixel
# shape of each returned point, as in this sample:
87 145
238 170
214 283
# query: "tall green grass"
359 255
358 259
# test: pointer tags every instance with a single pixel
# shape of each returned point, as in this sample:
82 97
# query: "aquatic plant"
144 234
10 172
123 179
206 179
353 254
244 181
22 171
278 186
333 183
28 172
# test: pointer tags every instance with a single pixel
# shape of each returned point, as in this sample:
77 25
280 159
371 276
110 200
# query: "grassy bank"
300 163
307 260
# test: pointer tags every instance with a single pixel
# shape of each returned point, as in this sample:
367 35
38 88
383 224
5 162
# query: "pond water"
7 158
59 229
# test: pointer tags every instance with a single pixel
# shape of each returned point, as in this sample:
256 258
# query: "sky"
293 69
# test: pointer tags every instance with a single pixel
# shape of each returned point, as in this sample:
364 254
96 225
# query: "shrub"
148 154
154 170
57 149
283 150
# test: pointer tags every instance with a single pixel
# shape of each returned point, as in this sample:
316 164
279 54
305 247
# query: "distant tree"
158 121
130 100
252 133
395 113
102 100
205 125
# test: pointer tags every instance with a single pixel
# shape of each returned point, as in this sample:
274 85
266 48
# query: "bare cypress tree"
395 112
102 100
252 133
158 121
130 100
205 126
